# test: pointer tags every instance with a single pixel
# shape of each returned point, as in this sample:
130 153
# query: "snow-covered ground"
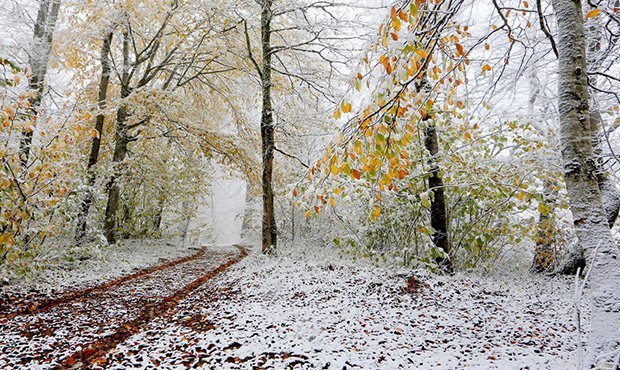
304 310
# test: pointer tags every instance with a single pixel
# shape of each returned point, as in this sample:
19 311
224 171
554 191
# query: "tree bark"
606 183
267 133
120 148
580 174
44 27
95 146
439 216
545 257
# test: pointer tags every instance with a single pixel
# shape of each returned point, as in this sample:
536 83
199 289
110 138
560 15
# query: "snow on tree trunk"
96 141
120 149
44 27
267 133
581 182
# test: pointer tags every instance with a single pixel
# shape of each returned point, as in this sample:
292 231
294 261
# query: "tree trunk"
545 257
580 174
439 217
120 149
606 184
267 133
96 141
248 226
39 60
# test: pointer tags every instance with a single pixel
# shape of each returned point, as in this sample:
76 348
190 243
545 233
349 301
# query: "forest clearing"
309 184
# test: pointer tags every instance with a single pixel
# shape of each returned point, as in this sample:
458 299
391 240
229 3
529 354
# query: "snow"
328 312
103 264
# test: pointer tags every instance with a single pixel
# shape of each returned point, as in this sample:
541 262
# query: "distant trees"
155 69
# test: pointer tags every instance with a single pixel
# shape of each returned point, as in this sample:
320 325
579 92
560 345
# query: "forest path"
81 327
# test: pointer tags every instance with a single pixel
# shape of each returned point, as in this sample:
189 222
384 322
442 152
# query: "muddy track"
80 332
34 306
96 352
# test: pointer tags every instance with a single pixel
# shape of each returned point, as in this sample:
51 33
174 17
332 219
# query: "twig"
291 156
578 293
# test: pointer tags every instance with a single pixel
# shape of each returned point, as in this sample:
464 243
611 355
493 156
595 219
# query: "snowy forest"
300 184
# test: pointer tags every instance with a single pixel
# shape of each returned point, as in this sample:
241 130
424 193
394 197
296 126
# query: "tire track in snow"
81 332
34 306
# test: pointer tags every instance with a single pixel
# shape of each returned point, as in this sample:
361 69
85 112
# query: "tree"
591 222
39 59
302 43
267 131
93 156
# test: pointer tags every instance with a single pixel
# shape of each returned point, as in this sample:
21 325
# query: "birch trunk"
580 173
267 133
44 27
95 147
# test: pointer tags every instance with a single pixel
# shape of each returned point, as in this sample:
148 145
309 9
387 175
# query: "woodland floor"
217 309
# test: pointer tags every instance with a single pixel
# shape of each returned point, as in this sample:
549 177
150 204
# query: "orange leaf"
459 49
593 13
356 174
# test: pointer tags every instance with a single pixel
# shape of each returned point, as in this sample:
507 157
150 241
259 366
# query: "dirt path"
80 329
9 308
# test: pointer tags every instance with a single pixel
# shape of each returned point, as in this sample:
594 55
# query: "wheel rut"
79 332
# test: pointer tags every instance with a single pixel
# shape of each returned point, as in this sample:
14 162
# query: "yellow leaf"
337 114
332 202
593 13
334 169
521 196
376 212
95 134
396 24
308 214
346 107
